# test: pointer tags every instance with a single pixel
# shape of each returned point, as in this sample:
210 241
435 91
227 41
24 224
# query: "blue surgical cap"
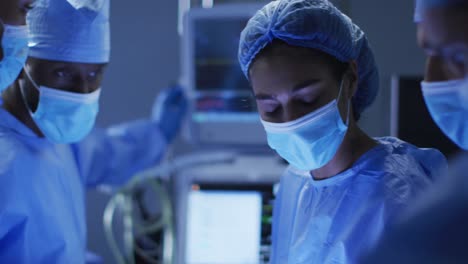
315 24
418 11
70 30
422 5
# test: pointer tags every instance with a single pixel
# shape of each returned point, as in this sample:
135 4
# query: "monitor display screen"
228 225
221 89
216 44
222 110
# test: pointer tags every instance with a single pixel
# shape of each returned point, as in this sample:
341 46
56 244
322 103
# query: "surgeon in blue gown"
13 39
313 74
50 152
434 229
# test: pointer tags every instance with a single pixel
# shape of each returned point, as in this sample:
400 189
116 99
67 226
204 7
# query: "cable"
152 178
108 220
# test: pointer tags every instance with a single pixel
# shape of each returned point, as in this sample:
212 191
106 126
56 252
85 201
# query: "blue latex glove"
169 110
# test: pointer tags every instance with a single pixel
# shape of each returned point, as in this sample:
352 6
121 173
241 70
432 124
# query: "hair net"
70 30
313 24
421 5
418 11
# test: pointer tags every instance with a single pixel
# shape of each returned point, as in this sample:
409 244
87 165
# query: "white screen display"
224 227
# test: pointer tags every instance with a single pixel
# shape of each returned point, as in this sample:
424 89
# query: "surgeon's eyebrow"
262 96
296 88
304 84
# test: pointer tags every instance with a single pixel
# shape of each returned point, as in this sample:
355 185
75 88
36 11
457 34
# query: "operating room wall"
145 59
145 55
390 29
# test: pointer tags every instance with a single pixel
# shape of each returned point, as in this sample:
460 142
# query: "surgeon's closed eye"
307 101
454 69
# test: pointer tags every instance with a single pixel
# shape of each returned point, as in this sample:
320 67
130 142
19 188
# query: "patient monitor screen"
228 225
220 86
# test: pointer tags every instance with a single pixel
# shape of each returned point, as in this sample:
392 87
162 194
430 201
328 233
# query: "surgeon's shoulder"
430 160
409 170
16 154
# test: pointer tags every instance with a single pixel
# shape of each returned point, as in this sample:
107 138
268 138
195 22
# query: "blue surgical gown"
42 185
434 228
335 220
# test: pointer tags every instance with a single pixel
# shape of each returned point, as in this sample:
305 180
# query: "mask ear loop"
31 79
23 95
349 102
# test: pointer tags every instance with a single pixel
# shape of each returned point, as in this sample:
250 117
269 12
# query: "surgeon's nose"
83 85
293 111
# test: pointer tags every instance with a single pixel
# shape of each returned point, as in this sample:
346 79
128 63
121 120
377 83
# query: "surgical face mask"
309 142
64 117
15 52
448 104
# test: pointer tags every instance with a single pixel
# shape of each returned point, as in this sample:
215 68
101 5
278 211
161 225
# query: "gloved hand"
169 110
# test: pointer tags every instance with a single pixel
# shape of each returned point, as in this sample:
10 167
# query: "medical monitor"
411 120
224 210
229 224
223 110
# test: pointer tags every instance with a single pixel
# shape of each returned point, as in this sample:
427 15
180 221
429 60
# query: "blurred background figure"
52 151
434 229
14 39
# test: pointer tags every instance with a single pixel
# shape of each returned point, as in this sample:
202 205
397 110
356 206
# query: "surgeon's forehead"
46 62
441 27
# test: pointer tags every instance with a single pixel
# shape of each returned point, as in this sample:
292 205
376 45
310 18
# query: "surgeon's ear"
353 78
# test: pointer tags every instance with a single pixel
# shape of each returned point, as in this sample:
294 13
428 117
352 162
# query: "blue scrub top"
434 228
335 220
42 185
